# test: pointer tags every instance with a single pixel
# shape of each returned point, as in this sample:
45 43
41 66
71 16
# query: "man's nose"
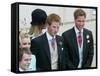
81 23
56 29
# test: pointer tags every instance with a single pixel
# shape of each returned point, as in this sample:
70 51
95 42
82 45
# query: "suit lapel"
46 46
59 49
58 45
84 42
74 43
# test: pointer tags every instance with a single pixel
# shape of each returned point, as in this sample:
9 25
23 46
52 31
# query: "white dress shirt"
53 53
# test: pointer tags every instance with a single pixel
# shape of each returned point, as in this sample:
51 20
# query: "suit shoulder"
87 31
38 38
68 32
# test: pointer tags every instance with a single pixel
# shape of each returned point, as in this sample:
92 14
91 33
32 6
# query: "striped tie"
80 39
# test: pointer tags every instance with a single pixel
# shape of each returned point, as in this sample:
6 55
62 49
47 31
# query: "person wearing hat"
38 22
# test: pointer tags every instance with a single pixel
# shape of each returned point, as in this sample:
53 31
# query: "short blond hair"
23 35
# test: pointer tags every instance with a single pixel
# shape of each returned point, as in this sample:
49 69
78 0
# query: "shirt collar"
20 69
77 31
49 37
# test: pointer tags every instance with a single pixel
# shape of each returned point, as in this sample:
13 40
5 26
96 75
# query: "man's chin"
80 29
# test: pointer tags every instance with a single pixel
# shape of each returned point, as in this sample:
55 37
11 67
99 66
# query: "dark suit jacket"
71 49
40 47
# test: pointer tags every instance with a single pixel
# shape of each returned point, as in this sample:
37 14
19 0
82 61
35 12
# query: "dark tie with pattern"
80 39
